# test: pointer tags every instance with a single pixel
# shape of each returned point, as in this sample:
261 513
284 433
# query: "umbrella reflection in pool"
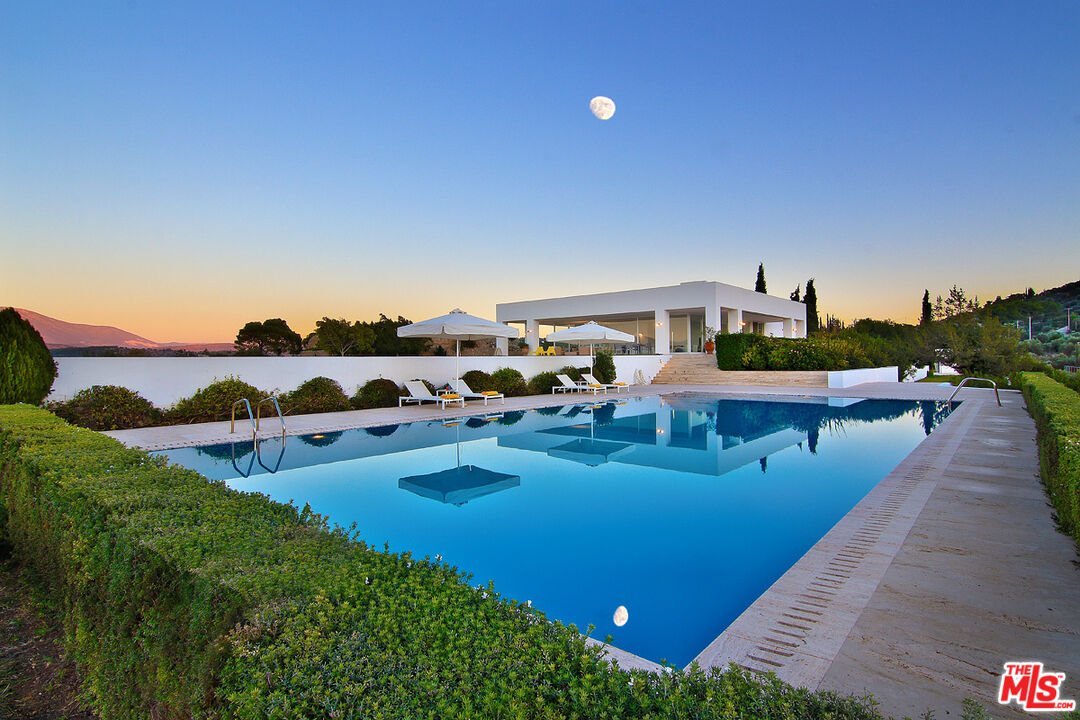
458 485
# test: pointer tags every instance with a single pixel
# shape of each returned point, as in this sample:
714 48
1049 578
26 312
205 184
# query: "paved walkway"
948 568
982 578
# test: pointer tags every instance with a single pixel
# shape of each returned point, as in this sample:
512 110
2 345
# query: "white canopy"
589 334
457 325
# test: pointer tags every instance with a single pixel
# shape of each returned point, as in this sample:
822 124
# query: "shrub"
184 598
377 393
214 402
317 395
509 382
604 367
731 348
478 381
107 407
573 372
27 369
1056 410
541 384
746 351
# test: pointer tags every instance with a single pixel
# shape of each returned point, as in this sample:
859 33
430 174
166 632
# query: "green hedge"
746 351
183 598
1056 410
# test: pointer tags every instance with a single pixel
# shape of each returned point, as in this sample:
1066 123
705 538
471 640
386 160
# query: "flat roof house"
663 319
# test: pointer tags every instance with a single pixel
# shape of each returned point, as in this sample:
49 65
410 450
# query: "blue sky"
178 169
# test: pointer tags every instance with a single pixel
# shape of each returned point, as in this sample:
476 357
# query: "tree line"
335 336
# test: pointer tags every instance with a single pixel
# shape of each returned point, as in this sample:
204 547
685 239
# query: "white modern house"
664 320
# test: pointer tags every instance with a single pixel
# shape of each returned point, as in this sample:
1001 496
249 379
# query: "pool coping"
796 627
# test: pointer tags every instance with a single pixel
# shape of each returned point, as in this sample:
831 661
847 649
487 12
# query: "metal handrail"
251 417
251 463
281 454
964 382
258 412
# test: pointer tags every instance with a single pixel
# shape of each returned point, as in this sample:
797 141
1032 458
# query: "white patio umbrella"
457 325
589 333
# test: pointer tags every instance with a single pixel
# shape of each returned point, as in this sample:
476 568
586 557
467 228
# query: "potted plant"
710 333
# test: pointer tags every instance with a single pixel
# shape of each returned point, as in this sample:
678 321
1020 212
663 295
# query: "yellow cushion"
618 383
596 385
449 396
489 392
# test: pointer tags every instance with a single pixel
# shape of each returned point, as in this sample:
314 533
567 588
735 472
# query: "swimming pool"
680 509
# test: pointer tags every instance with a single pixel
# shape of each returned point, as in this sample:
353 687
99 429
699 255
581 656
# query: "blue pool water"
682 509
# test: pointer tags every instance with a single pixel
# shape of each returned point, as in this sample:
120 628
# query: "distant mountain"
61 334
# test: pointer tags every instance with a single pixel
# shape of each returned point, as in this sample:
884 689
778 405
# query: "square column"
663 332
734 320
532 334
789 327
712 319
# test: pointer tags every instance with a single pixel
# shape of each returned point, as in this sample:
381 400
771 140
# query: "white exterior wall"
714 297
164 380
848 378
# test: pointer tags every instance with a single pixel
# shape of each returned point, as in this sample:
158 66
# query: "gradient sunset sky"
177 169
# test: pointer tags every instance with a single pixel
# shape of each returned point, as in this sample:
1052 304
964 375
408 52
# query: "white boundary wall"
164 380
848 378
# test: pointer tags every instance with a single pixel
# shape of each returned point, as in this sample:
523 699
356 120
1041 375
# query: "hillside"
1048 310
62 334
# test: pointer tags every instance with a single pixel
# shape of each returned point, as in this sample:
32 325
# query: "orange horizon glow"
216 317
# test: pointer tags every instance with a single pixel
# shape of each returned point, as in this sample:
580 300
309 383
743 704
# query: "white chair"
462 388
593 381
568 385
419 394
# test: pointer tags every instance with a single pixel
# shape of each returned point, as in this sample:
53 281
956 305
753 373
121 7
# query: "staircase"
700 369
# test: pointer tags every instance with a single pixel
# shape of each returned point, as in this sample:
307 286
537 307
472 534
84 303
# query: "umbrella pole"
590 358
457 367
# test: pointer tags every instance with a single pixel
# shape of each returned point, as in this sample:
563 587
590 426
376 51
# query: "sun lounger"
568 385
593 381
419 394
462 388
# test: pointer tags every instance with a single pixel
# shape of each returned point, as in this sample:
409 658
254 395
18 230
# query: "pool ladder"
256 417
964 382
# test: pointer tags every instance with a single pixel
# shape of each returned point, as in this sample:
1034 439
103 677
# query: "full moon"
602 107
621 614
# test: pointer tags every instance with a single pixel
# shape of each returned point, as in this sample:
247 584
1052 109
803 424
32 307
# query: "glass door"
680 333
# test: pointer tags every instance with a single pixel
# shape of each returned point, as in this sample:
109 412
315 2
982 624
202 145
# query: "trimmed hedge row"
747 351
1056 410
183 598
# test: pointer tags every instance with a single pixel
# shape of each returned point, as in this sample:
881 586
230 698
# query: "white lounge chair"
462 388
568 385
593 381
419 394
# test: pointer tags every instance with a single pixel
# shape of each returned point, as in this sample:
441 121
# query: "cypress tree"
759 284
795 294
927 309
27 369
813 324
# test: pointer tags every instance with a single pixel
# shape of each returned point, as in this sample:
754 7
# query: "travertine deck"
948 568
